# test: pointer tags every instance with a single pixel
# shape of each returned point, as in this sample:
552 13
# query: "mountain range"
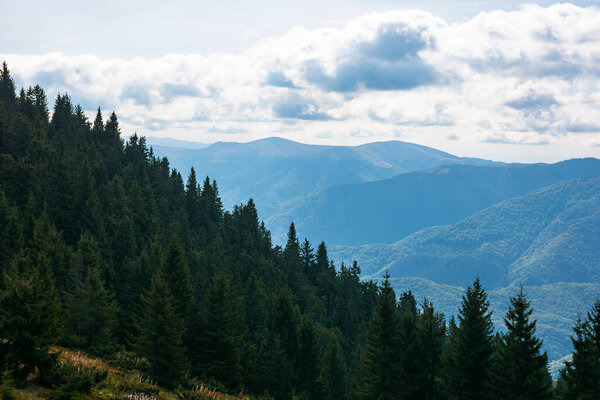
275 170
389 210
433 220
548 241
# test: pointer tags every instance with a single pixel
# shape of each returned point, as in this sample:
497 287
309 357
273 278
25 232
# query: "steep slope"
275 170
548 236
389 210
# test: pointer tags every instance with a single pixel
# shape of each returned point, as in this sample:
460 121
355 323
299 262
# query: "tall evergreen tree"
519 371
7 89
29 316
92 309
430 339
467 372
580 379
335 374
223 333
380 361
309 362
177 275
160 334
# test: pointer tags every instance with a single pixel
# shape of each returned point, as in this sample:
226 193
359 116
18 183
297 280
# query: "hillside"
122 377
275 170
550 235
389 210
547 240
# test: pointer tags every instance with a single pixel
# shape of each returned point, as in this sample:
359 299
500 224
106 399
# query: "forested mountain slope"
105 249
550 235
548 240
389 210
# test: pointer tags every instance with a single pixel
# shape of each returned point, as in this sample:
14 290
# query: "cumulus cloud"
530 76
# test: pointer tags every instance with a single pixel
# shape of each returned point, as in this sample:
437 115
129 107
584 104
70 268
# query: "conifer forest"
124 278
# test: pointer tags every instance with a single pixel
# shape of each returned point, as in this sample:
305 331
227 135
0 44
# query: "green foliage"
470 348
580 379
92 308
29 316
519 368
7 386
222 337
103 246
160 334
380 360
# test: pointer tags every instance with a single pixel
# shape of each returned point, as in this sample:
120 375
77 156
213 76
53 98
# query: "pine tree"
29 316
92 309
177 274
430 338
467 371
334 375
160 334
47 240
7 89
309 362
380 360
223 333
580 379
11 234
408 368
193 197
519 370
307 256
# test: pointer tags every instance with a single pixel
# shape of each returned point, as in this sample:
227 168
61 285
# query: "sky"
501 80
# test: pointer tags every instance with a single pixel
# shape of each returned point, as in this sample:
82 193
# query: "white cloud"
530 76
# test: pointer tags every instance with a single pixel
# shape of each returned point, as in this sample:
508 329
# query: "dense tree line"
106 249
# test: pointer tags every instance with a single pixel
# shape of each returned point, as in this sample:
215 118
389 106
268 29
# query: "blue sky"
495 79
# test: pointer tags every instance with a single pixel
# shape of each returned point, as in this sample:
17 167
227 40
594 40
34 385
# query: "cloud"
276 78
529 76
394 42
501 138
297 107
372 74
532 101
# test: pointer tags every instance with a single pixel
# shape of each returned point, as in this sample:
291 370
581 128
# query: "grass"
111 381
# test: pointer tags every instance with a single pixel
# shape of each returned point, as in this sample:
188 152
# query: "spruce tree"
223 333
11 234
519 370
92 309
7 89
430 339
29 316
335 374
580 379
380 360
310 384
160 334
468 361
177 274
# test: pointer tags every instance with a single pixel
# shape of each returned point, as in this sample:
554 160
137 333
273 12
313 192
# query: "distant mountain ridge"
388 210
276 170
